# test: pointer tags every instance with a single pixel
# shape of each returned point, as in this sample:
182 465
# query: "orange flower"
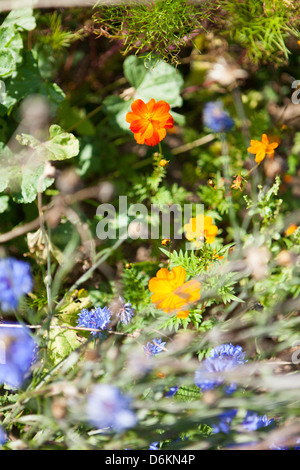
237 182
149 121
290 230
171 293
262 148
201 227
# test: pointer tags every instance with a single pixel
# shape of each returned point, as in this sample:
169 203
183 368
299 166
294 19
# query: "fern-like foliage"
262 26
154 28
57 37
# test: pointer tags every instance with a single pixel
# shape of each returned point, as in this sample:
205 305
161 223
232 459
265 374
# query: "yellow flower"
171 293
290 230
201 227
163 162
262 148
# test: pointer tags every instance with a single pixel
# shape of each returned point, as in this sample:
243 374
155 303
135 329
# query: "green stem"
228 196
160 149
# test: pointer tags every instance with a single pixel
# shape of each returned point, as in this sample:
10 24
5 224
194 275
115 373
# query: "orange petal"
150 105
183 314
160 286
142 126
163 273
139 138
155 138
139 108
212 231
169 123
161 110
207 221
130 117
260 156
179 275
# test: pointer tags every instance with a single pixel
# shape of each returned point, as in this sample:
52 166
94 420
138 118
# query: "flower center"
149 116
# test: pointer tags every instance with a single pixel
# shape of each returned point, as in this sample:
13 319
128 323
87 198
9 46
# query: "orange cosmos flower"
262 148
171 293
149 121
290 230
201 227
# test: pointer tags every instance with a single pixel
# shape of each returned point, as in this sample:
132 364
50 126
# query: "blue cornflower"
15 281
107 407
172 391
126 312
224 423
253 421
97 318
3 437
222 358
17 353
216 118
154 446
155 347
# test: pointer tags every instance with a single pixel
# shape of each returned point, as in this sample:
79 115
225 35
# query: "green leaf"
21 19
75 302
23 179
27 80
188 393
61 145
3 203
7 63
61 342
5 157
161 82
7 34
27 179
11 45
71 115
134 70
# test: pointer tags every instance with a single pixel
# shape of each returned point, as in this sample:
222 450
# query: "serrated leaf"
187 393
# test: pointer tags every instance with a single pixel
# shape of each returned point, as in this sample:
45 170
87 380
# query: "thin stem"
228 196
63 327
160 149
45 235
